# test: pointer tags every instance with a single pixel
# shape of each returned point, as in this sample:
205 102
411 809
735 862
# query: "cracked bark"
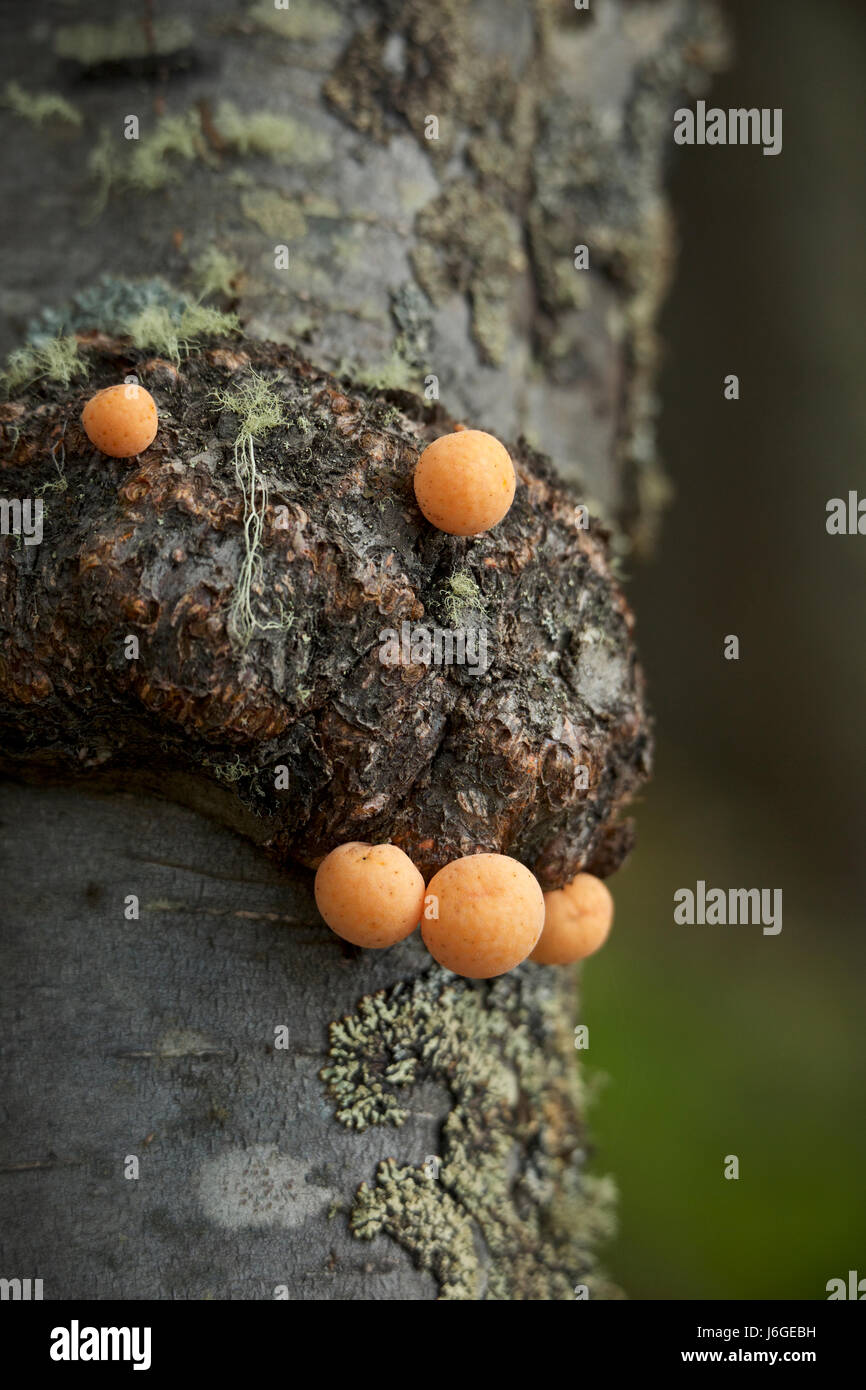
154 1037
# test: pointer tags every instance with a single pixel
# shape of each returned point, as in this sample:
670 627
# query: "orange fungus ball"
577 919
483 915
121 420
371 895
465 482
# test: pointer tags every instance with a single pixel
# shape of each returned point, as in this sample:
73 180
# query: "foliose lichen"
108 304
511 1214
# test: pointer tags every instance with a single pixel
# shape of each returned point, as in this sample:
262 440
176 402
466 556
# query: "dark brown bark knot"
265 585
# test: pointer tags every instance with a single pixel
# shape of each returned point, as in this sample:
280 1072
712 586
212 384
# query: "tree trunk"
212 1098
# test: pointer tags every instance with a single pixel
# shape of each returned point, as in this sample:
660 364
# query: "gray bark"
155 1038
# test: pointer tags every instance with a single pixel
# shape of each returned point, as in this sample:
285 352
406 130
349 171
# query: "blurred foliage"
719 1040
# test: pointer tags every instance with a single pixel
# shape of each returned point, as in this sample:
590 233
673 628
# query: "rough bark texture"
154 1039
410 259
409 256
322 723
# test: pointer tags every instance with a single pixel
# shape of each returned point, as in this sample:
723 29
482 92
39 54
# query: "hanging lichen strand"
259 591
258 408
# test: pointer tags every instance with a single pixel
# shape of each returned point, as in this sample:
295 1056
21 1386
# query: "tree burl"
257 603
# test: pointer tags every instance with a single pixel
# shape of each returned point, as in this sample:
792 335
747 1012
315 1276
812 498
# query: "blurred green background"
715 1040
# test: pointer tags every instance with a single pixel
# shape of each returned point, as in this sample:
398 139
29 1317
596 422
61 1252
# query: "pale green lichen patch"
461 597
511 1214
301 21
159 329
52 359
39 107
256 404
216 272
159 156
411 1208
149 163
278 215
279 138
121 40
394 374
